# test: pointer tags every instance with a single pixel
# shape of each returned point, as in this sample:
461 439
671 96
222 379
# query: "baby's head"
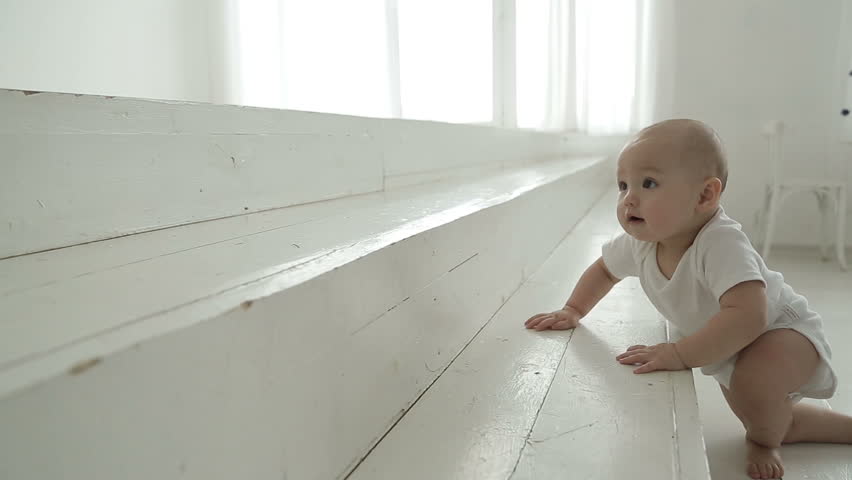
670 178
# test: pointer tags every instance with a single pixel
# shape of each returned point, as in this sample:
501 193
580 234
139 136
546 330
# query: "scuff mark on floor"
464 261
85 365
561 434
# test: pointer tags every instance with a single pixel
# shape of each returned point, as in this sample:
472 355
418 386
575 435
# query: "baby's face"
657 196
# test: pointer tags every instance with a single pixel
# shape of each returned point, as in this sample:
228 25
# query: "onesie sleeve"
728 260
619 256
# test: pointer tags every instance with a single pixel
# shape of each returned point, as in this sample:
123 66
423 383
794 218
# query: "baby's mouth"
635 219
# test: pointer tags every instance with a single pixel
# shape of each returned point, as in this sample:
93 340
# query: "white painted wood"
97 175
520 404
600 420
85 168
286 385
95 293
69 189
690 455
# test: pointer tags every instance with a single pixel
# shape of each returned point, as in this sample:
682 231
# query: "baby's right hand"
558 320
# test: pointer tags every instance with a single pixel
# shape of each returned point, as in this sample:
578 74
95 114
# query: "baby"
731 315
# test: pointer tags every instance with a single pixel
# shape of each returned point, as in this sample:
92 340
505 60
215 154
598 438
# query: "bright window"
335 56
575 61
531 52
445 60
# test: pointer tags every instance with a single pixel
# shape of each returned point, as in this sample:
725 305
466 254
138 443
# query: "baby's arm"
742 318
593 285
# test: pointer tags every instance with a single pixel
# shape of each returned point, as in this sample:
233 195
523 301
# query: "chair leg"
770 223
822 204
841 227
762 215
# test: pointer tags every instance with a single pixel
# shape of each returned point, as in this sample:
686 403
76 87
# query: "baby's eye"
622 186
649 183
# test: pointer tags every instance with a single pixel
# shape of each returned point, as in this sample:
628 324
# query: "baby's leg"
763 462
821 425
777 363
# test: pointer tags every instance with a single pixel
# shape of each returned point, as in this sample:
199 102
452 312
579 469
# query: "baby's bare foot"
763 462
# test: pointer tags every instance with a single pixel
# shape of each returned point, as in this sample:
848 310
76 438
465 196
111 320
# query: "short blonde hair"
696 144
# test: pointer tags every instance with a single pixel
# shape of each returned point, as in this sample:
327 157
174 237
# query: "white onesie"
720 257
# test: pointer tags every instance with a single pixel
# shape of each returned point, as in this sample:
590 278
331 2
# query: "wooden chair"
830 195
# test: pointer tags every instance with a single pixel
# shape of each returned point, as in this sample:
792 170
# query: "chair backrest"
773 130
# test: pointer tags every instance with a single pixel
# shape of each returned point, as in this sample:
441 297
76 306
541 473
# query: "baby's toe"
765 471
753 471
763 462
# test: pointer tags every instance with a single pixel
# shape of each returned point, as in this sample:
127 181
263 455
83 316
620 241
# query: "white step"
521 404
83 168
282 344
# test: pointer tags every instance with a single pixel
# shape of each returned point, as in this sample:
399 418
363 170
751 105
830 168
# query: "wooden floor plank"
600 420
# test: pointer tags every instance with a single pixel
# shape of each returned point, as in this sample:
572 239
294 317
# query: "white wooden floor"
827 289
524 405
218 265
306 347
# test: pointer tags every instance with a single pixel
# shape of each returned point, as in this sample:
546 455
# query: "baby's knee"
757 389
758 406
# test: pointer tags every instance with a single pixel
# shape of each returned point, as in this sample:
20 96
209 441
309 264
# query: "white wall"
151 49
844 57
738 64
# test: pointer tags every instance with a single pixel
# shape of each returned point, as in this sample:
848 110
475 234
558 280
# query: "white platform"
83 168
66 307
198 352
249 395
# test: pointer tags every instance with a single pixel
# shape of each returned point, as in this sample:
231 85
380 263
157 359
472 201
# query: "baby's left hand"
662 356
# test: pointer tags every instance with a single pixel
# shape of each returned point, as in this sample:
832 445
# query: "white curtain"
606 69
378 58
445 60
595 66
317 55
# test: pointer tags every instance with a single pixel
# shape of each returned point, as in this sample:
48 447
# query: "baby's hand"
662 356
558 320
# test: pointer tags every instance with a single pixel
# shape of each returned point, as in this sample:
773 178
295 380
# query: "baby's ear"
710 194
